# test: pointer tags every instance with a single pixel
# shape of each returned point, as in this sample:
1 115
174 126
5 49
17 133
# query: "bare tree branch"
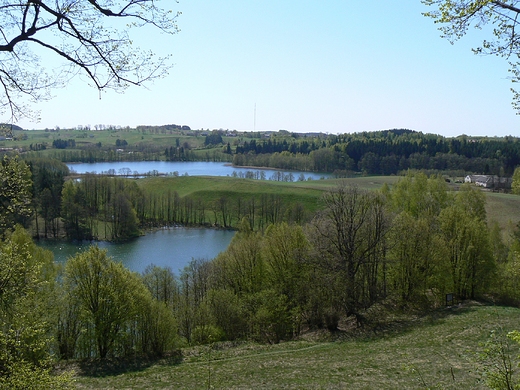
457 16
81 34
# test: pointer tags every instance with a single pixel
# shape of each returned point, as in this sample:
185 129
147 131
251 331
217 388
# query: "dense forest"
383 152
363 253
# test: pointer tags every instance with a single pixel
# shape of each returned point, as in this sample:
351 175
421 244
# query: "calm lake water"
173 247
190 168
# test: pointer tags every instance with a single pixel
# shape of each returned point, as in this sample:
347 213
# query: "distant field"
207 188
163 139
504 209
437 351
212 188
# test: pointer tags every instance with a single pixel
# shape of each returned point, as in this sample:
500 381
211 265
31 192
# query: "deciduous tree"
15 192
350 238
516 181
109 295
93 37
27 315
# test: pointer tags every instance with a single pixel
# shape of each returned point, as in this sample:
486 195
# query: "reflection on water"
173 247
197 168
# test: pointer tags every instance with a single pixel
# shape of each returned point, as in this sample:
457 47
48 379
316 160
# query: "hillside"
436 351
501 208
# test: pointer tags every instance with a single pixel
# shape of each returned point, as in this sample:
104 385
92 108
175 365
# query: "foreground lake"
174 248
198 168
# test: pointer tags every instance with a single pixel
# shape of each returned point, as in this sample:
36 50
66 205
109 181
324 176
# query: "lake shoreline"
173 247
176 168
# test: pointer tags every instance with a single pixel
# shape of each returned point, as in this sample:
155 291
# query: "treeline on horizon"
383 152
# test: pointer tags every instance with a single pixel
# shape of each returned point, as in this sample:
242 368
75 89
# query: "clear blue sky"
336 66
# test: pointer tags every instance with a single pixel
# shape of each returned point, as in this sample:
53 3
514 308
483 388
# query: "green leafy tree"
48 178
468 250
109 295
194 284
157 328
241 267
498 361
214 138
162 284
27 315
516 181
456 17
228 313
270 317
286 251
419 195
15 193
416 275
74 212
125 224
414 270
509 275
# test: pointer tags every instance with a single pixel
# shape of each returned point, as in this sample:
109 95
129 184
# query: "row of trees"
383 152
36 195
123 207
63 143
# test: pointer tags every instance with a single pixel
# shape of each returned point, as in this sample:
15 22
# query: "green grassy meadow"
436 351
86 138
212 188
501 208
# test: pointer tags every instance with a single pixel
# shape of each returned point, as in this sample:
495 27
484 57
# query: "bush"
207 334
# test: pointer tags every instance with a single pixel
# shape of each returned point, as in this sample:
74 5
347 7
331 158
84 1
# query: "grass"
212 188
436 351
197 185
85 138
503 209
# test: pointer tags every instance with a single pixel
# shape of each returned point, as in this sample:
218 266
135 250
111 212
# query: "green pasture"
190 185
84 138
503 209
440 350
210 188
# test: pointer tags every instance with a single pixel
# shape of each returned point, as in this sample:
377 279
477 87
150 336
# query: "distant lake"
172 247
181 168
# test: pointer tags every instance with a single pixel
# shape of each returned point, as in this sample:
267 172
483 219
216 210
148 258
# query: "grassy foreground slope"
439 351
